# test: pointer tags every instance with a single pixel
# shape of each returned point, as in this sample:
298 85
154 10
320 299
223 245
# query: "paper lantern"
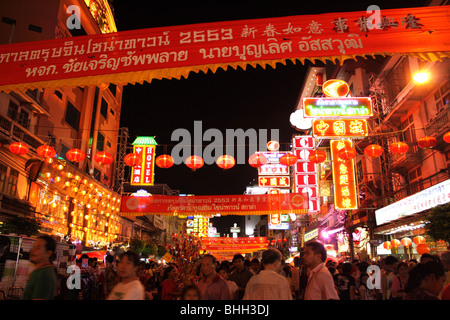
399 147
406 242
373 150
18 148
257 160
164 161
419 240
395 243
132 159
45 151
103 157
75 155
288 159
347 153
387 245
317 156
447 137
225 162
194 162
423 248
427 142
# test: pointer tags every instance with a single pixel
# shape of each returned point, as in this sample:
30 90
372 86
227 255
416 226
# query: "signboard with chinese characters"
345 195
331 128
275 181
143 173
305 172
355 107
279 222
197 226
273 169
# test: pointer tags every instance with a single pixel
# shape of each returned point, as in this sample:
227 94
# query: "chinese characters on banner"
142 174
326 128
274 181
305 172
345 195
174 51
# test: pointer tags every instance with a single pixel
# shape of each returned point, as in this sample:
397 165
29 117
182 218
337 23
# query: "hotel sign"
356 107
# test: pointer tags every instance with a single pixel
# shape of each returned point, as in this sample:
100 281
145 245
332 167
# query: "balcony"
438 126
17 132
405 162
15 206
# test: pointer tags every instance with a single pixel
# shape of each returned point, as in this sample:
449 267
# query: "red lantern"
419 240
395 243
373 150
194 162
288 159
164 161
387 245
423 248
45 151
257 160
347 153
399 147
225 162
406 242
75 155
317 156
447 137
18 148
427 142
132 159
103 157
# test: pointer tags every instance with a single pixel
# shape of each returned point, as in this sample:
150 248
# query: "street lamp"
421 77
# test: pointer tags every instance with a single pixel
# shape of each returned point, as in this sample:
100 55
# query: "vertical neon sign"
143 174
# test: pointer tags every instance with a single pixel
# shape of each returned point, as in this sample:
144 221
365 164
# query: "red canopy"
100 255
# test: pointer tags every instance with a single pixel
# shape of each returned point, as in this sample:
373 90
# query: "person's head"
170 273
347 268
402 268
363 278
390 263
238 262
223 271
426 257
208 265
43 250
128 265
315 254
254 265
109 260
445 258
190 293
429 276
271 259
297 261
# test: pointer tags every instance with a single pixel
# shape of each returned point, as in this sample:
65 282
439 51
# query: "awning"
100 255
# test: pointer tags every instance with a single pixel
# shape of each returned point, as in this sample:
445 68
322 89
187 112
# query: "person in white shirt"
268 284
320 281
129 287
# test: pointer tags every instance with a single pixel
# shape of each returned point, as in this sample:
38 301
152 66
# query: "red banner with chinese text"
136 56
210 205
233 245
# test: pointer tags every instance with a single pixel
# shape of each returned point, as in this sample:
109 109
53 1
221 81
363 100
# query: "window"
111 111
108 143
415 180
3 171
59 94
34 28
11 186
104 108
100 142
13 110
72 116
97 174
409 132
442 96
112 88
23 119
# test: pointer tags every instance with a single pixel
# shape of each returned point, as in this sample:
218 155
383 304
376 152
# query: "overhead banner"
211 205
234 245
136 56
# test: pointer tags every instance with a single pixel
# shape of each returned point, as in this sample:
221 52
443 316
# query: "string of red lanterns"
347 153
164 161
225 162
288 159
317 156
103 157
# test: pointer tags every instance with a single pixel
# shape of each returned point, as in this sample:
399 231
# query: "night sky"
256 98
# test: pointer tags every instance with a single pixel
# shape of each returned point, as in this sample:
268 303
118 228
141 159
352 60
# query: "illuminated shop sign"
345 195
273 169
331 128
275 181
143 173
355 107
311 235
279 222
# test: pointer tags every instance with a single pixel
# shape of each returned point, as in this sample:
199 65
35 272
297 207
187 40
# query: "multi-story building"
85 118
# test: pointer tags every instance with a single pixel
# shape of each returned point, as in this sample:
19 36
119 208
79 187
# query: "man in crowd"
212 286
240 275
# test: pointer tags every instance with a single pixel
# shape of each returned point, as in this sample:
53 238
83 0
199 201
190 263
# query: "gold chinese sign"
332 128
275 181
345 195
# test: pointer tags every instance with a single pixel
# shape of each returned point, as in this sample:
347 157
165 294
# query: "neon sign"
275 181
142 174
345 195
337 107
340 128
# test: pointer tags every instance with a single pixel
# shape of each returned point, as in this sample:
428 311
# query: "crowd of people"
312 276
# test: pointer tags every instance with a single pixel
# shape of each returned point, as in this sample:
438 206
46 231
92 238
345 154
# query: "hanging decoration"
225 162
373 150
317 156
103 157
18 148
132 159
45 151
347 153
395 243
406 242
257 160
194 162
387 245
419 240
75 155
427 142
423 248
399 147
447 137
164 161
288 159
